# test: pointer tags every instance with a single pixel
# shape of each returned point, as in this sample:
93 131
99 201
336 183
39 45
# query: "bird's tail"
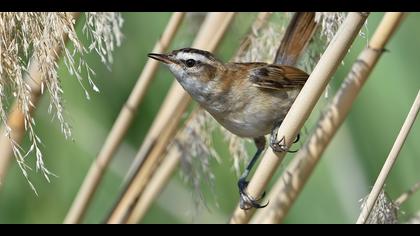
297 36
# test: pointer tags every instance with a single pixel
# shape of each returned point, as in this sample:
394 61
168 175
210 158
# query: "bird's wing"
277 77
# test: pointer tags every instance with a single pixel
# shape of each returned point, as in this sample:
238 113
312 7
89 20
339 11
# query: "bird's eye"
190 63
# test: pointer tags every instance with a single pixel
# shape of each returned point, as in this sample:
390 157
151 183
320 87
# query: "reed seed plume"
38 38
196 145
385 211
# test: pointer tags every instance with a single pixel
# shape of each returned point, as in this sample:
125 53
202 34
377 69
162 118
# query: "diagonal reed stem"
166 122
173 156
390 160
121 125
15 118
292 181
303 106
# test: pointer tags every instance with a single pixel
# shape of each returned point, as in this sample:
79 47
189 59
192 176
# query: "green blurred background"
344 176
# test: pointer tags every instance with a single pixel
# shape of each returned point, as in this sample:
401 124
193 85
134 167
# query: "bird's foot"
246 201
280 146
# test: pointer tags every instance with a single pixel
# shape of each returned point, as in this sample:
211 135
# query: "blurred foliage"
343 177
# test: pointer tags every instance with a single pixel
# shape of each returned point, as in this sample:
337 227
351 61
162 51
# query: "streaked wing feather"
278 77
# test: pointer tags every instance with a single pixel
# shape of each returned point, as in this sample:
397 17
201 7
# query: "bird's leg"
280 146
247 201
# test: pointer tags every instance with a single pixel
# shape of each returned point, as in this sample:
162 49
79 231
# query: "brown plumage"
248 99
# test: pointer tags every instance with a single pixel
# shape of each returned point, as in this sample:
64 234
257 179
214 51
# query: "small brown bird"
248 99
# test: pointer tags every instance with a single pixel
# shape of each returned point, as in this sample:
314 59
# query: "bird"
249 99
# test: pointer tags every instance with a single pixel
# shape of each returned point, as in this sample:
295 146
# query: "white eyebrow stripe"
195 56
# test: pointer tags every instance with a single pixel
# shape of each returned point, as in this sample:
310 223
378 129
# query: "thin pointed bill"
161 57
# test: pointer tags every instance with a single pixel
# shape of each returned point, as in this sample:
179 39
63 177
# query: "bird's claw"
246 201
280 146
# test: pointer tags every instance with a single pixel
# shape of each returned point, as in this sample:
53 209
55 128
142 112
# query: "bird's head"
196 70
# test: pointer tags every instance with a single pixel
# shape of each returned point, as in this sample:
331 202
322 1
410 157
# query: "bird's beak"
161 57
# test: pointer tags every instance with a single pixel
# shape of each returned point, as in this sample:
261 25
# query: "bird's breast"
251 115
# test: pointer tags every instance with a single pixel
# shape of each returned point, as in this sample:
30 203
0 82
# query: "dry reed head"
385 211
329 22
30 38
104 31
264 41
196 146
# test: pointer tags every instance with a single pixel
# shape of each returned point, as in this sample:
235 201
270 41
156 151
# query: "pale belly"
254 116
250 126
253 120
